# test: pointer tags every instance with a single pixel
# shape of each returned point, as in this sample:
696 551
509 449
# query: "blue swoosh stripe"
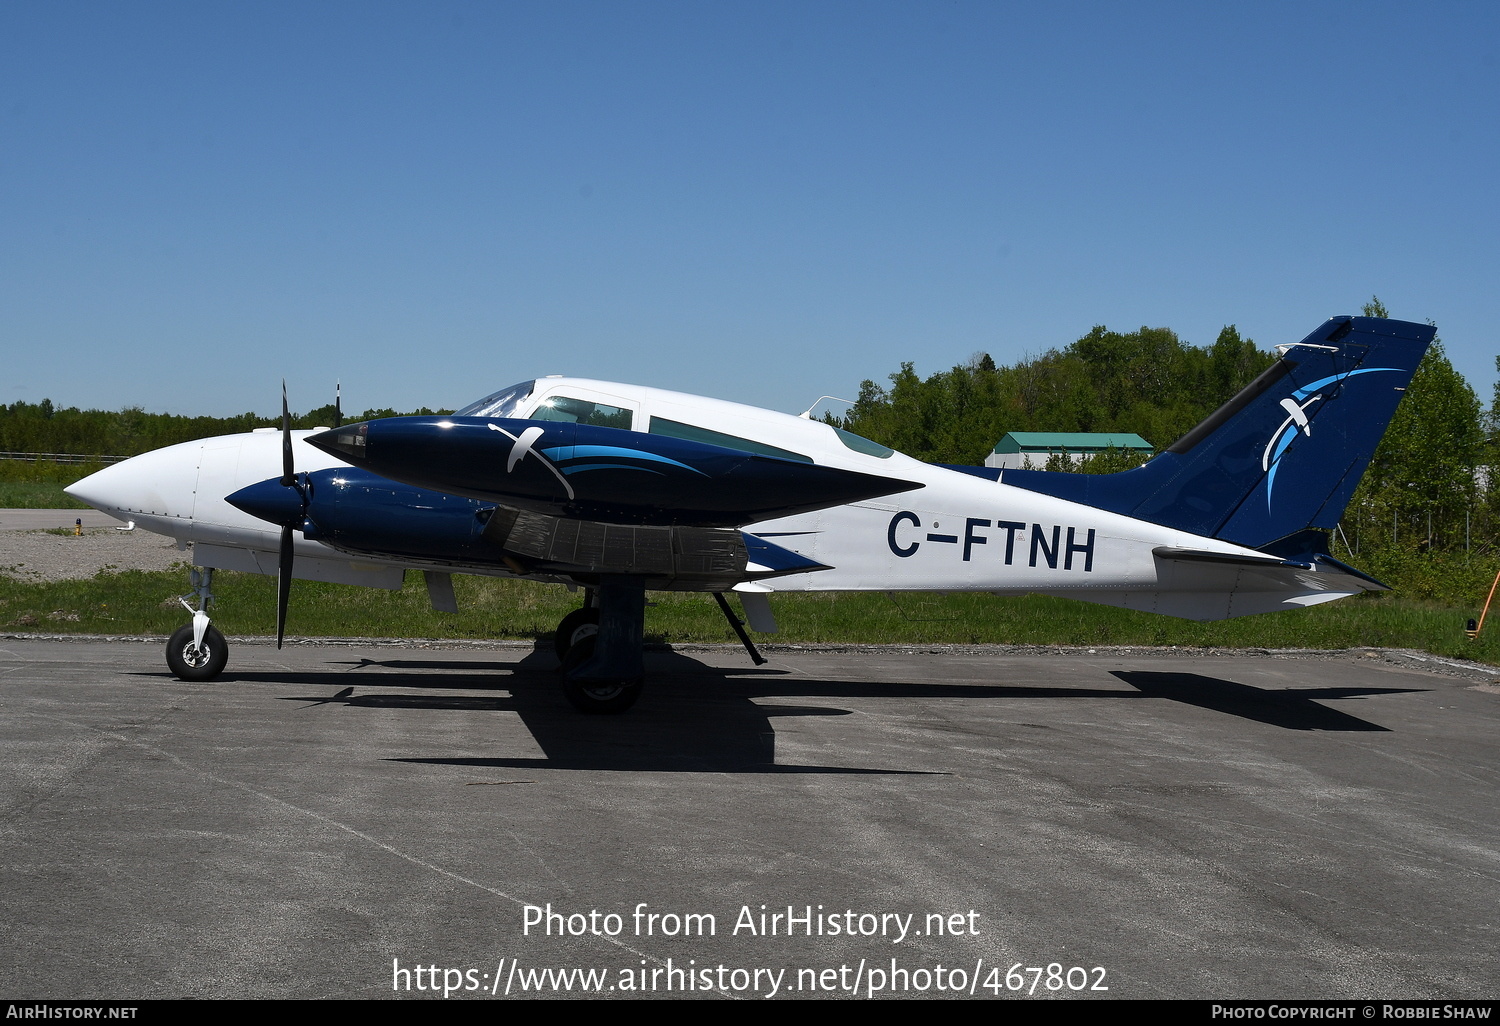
1303 393
569 452
1286 440
578 468
1307 390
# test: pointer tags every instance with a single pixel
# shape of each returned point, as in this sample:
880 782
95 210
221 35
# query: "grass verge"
36 495
138 602
26 484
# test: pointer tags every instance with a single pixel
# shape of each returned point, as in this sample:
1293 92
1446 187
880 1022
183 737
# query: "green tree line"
42 428
1427 486
1149 382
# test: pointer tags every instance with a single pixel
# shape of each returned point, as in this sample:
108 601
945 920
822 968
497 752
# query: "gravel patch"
45 556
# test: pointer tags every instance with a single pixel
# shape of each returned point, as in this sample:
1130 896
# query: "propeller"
283 502
296 516
338 403
284 558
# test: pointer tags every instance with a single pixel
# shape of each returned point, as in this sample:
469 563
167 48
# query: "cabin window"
568 410
499 404
861 444
689 433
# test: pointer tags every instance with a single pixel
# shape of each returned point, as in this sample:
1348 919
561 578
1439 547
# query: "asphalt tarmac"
341 821
45 519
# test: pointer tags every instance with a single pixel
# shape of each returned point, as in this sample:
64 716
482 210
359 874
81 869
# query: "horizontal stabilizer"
1228 558
1201 584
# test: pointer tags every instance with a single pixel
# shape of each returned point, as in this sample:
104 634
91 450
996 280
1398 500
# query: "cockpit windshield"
503 403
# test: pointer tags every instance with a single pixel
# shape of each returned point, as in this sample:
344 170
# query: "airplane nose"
103 489
270 500
85 489
156 484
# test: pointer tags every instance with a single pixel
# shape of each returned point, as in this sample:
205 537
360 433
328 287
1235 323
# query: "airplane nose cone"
157 484
84 490
270 500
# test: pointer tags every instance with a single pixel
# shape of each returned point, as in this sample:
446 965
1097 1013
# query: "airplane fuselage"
945 530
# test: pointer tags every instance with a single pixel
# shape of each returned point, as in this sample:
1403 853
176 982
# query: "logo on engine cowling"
523 448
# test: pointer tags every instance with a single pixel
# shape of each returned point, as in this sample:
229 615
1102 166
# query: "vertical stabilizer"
1280 458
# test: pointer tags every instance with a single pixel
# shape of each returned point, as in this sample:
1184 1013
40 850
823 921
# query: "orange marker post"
1473 632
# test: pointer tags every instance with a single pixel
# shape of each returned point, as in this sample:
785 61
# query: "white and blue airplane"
619 489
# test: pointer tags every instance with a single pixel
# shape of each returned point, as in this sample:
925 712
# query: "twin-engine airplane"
618 489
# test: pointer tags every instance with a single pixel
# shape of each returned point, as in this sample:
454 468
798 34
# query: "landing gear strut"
604 671
197 651
739 629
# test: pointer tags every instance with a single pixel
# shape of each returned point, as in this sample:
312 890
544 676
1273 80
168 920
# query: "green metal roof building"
1020 449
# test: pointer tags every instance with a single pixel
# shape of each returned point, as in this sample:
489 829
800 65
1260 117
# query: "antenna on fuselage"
807 413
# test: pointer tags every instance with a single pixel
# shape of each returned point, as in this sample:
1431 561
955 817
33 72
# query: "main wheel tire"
597 696
190 662
577 625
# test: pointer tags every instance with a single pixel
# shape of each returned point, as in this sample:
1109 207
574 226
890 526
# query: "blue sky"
762 202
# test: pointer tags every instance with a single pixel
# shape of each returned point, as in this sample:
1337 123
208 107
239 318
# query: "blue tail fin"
1280 458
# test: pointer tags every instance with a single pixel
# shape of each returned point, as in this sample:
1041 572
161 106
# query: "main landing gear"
197 651
601 645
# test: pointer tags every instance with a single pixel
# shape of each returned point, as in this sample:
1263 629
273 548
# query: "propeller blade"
338 404
288 475
283 582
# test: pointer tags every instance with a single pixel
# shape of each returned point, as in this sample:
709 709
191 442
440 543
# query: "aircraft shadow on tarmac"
693 718
1292 708
703 719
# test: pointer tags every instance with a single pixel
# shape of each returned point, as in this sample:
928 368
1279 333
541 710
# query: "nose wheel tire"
597 695
577 625
197 663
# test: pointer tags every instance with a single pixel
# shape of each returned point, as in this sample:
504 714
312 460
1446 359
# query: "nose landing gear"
197 651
